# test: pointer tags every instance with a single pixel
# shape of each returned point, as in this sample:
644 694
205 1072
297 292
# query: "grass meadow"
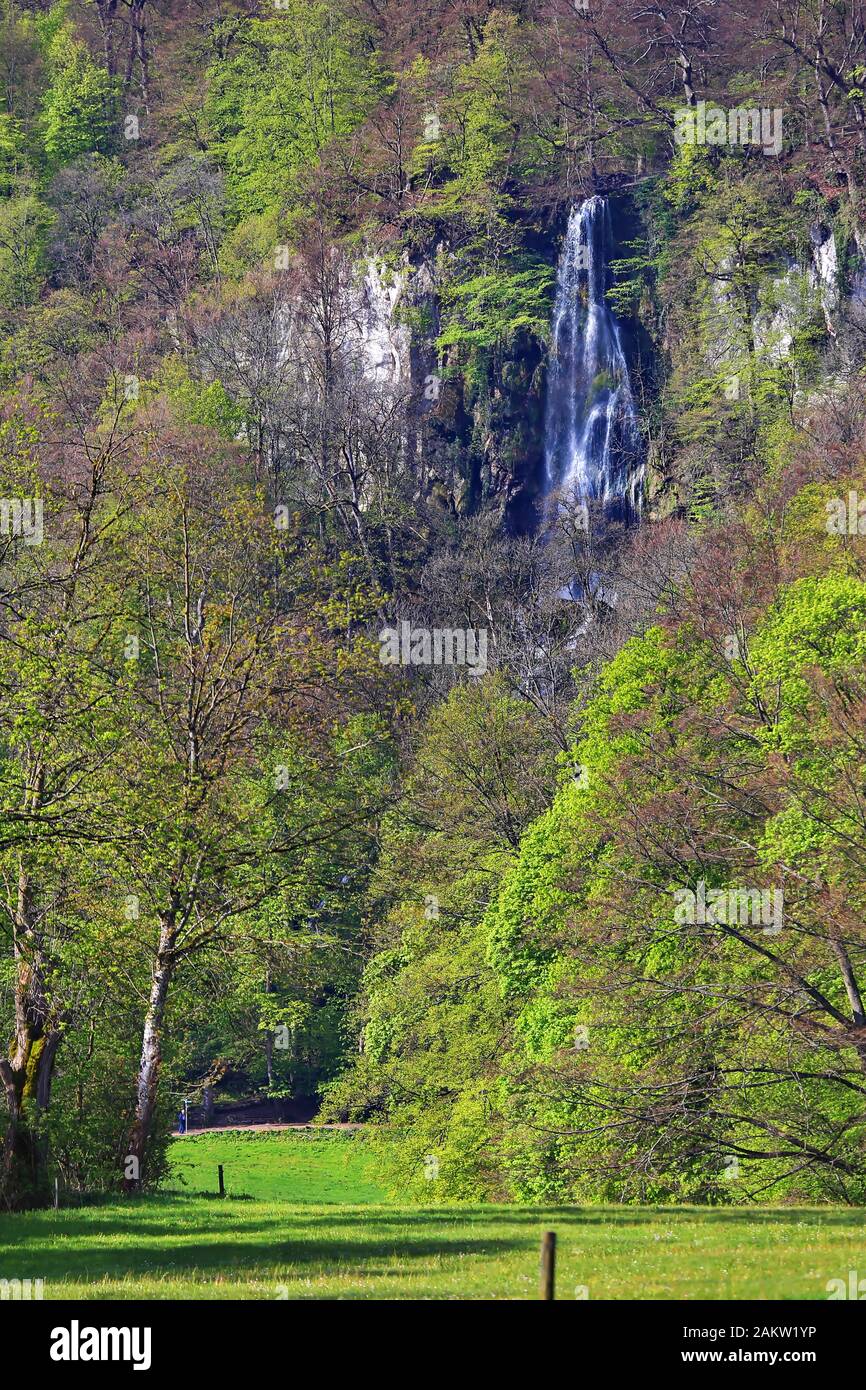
304 1218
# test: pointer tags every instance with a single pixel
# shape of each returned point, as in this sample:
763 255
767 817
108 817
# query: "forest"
433 591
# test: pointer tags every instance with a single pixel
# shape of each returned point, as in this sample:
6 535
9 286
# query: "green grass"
288 1240
331 1166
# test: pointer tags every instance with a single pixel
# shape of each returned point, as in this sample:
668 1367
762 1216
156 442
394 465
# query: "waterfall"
593 449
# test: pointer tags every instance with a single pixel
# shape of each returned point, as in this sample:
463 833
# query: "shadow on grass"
587 1216
167 1235
66 1255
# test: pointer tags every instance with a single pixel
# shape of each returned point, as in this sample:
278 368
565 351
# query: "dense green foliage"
276 288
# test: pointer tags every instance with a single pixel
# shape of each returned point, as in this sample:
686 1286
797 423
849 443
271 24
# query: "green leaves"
491 309
80 108
292 85
25 223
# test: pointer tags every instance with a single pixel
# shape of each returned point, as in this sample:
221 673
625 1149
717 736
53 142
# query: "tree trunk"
26 1079
26 1073
107 17
269 1041
151 1053
138 50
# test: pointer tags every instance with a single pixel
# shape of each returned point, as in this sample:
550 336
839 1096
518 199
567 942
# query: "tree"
719 757
61 656
430 1016
25 222
289 86
79 105
228 647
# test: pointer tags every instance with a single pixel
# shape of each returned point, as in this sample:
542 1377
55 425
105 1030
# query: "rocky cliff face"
469 444
376 326
472 443
801 291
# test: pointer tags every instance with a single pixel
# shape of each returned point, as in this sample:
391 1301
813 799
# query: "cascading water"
593 448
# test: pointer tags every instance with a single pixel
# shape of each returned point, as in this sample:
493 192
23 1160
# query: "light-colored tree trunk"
151 1050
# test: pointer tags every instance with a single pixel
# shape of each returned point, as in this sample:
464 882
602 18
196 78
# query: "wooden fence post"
548 1266
222 1180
